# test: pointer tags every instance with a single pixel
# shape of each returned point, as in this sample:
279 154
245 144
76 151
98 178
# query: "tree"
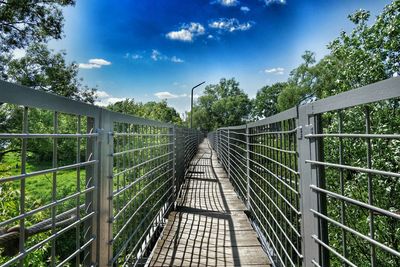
223 104
45 70
369 53
30 21
300 83
151 110
266 102
127 106
160 111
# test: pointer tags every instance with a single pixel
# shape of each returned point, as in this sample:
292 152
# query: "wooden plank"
209 226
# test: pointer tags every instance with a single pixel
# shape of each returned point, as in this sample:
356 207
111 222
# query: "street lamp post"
191 104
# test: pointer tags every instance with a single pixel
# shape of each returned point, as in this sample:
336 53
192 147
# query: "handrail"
331 161
121 170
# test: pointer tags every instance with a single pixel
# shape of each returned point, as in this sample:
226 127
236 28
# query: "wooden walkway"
209 226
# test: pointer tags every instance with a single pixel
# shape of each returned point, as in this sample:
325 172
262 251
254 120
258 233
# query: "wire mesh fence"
321 181
81 185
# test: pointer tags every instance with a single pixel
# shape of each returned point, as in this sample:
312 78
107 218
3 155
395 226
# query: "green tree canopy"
30 21
266 102
46 70
369 53
300 83
222 104
159 111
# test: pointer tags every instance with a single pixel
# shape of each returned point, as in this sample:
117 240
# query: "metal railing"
321 180
99 189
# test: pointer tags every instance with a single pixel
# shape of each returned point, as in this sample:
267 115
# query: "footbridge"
315 185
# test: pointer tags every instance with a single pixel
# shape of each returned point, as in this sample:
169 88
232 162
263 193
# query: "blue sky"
154 49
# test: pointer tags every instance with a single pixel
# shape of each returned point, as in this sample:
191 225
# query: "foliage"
299 85
151 110
30 21
385 155
265 103
45 70
369 53
222 104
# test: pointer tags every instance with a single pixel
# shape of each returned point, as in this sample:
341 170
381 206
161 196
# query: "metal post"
105 186
191 104
248 167
217 141
175 185
308 198
229 155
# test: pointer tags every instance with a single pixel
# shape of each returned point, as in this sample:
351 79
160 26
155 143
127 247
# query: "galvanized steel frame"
162 147
313 248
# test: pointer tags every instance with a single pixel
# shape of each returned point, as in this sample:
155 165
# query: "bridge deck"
209 226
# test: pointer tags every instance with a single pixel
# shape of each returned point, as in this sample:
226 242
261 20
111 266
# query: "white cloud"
226 2
105 99
102 94
187 32
245 9
94 63
230 25
277 71
181 35
165 95
88 66
99 61
269 2
158 56
176 60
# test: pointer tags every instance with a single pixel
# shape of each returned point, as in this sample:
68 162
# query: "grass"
39 188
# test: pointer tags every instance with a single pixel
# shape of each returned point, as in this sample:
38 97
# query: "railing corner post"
308 198
104 190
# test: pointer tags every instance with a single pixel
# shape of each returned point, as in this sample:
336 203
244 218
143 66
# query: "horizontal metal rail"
316 176
118 175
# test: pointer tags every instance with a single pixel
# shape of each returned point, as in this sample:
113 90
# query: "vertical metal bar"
54 191
322 203
117 163
308 199
341 178
175 184
217 142
105 183
125 175
248 168
220 152
91 179
78 190
22 186
229 154
370 185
